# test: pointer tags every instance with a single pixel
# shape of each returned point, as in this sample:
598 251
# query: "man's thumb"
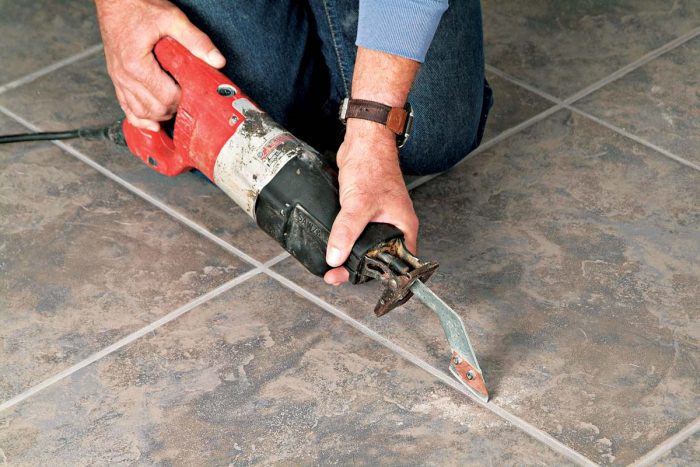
197 43
347 227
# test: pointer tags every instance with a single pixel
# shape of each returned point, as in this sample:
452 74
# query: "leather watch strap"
393 118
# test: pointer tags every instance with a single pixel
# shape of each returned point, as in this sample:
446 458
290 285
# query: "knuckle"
140 113
168 92
167 13
175 14
131 67
171 10
158 109
150 80
171 98
178 19
139 110
119 77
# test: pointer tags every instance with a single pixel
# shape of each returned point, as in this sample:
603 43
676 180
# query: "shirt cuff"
399 27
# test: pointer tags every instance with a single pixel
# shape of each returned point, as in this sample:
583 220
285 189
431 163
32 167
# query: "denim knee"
441 141
436 154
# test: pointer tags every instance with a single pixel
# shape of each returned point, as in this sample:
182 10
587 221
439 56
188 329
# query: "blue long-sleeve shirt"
400 27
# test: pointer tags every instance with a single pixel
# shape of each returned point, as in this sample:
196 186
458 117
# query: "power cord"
112 133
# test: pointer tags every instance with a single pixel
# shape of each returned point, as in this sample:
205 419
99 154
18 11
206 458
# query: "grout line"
592 117
130 338
666 446
569 100
643 60
635 138
50 68
649 56
490 143
520 423
139 192
560 104
264 268
258 266
529 429
143 331
275 260
524 85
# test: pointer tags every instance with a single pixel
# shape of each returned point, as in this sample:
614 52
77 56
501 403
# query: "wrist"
387 97
367 141
369 130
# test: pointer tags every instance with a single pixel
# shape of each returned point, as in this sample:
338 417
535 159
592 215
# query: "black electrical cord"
47 135
111 132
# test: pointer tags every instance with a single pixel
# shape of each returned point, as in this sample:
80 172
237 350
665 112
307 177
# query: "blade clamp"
397 269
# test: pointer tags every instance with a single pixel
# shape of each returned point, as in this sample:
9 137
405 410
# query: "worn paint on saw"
252 156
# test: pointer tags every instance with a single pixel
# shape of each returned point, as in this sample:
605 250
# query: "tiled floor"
146 320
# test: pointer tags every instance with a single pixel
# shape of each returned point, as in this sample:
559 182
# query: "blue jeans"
295 59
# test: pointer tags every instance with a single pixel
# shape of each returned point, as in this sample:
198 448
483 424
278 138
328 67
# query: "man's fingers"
336 276
120 98
149 125
152 107
133 103
161 86
348 226
412 245
406 221
142 103
410 233
130 104
133 119
196 42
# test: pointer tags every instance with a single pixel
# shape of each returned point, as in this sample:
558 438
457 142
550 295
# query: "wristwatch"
398 119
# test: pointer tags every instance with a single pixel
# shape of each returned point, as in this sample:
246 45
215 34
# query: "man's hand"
371 190
130 29
371 185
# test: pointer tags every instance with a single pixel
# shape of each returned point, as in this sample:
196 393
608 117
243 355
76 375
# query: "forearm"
393 38
384 78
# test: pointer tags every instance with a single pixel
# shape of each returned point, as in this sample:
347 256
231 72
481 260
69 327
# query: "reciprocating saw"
283 184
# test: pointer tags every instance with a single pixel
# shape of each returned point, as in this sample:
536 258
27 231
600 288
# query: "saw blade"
463 363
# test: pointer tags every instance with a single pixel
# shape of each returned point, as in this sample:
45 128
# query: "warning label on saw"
252 156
